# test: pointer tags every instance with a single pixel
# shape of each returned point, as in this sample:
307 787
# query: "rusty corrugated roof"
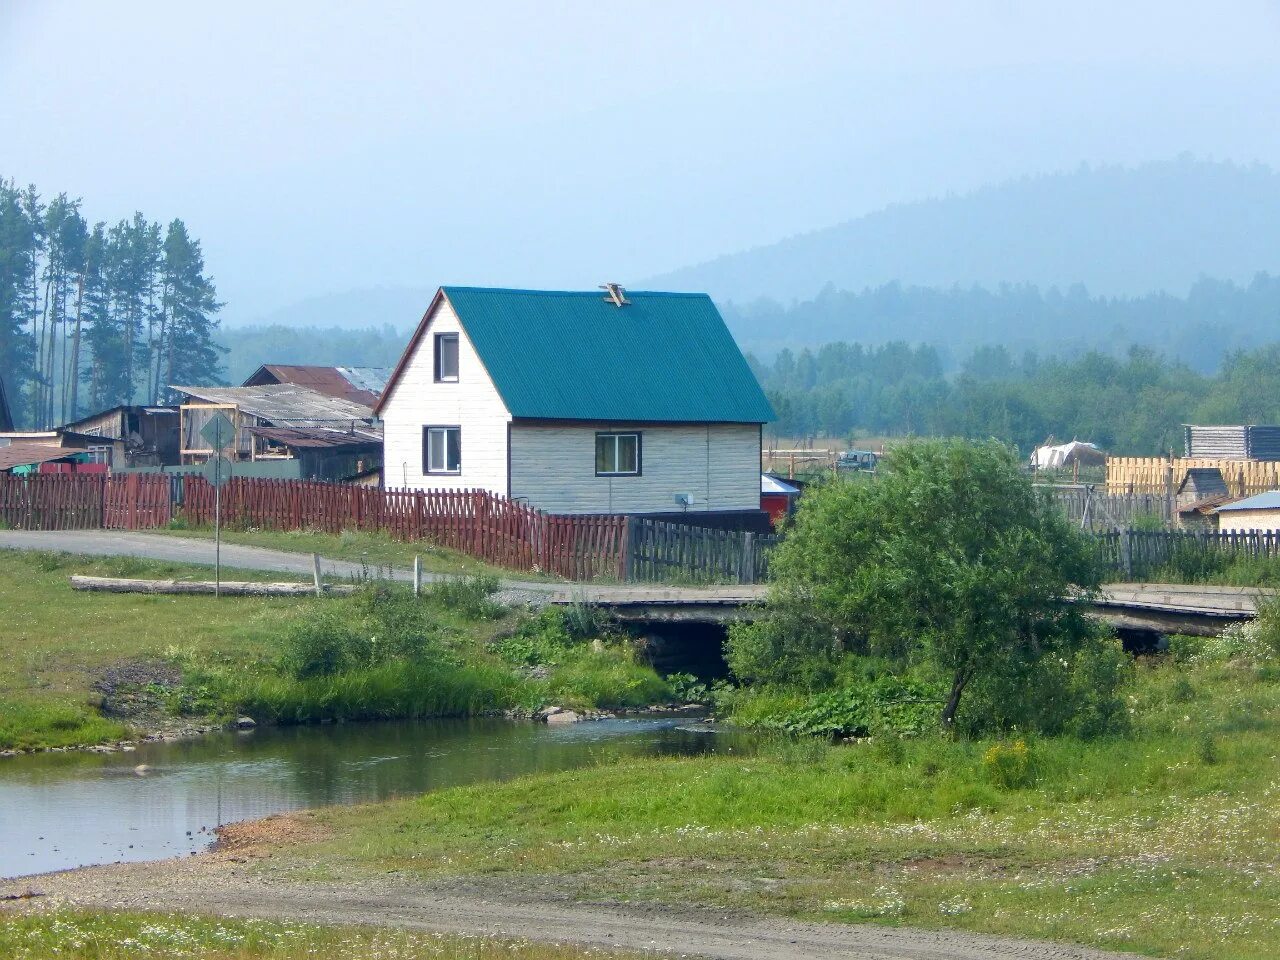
358 384
22 454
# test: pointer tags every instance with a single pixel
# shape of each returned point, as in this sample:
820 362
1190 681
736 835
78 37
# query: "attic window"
446 358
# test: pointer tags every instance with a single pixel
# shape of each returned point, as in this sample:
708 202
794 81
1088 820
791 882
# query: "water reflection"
65 810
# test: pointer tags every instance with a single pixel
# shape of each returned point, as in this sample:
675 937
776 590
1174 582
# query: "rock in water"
245 723
564 716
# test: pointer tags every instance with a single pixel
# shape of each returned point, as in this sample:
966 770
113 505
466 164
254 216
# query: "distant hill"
401 307
1199 328
1116 230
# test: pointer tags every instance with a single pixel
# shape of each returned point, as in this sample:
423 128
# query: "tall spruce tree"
188 303
17 239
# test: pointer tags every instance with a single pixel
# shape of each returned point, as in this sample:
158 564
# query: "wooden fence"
1182 554
55 501
678 553
480 524
1159 475
1095 509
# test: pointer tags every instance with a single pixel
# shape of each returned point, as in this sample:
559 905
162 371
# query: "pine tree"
187 322
131 263
17 239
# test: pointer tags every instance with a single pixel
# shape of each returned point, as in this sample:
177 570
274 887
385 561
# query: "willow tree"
949 563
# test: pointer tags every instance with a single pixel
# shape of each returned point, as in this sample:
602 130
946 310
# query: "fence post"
747 560
1126 553
315 573
417 575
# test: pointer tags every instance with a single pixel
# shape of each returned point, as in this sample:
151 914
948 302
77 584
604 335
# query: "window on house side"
441 449
446 357
617 454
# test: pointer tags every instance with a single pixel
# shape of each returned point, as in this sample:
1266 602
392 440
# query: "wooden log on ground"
232 588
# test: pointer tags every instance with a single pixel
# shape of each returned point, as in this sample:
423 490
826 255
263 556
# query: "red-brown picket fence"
488 527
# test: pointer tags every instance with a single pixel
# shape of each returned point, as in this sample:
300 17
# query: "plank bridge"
1150 608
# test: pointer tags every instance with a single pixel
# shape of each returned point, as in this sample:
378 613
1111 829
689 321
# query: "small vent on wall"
616 294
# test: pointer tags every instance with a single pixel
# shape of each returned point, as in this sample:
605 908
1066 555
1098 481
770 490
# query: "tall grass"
399 689
27 724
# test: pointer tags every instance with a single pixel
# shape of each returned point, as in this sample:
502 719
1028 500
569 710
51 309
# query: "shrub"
373 626
1009 765
469 597
540 640
886 705
610 677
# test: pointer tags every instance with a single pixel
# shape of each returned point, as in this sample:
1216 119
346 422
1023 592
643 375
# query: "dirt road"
214 884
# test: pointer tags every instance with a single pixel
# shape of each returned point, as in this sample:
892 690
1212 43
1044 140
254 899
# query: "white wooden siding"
472 403
553 467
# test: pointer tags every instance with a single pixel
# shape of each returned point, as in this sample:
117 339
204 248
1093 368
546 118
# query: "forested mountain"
1115 230
1200 327
1133 405
93 316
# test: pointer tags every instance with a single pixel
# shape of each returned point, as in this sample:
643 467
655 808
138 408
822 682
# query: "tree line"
1201 328
1135 404
92 316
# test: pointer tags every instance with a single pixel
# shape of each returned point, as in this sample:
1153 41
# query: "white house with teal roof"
578 402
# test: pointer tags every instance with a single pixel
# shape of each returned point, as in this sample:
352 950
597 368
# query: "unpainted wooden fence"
1094 509
663 552
1144 553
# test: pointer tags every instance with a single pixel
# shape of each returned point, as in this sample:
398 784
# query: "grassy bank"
141 936
379 654
1163 841
375 550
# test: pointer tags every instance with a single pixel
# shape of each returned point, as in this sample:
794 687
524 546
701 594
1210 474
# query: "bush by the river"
383 653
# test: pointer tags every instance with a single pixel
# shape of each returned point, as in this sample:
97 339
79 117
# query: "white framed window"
441 449
446 357
618 454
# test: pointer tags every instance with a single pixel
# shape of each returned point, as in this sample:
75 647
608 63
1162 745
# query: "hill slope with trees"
1116 230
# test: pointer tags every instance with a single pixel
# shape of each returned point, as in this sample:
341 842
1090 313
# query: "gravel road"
215 884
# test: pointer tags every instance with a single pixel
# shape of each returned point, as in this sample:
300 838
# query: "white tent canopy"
1066 454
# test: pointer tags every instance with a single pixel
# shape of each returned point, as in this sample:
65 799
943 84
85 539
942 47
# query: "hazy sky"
319 147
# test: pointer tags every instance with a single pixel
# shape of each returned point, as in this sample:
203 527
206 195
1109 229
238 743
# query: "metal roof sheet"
318 437
567 355
284 404
358 384
772 484
1262 501
21 454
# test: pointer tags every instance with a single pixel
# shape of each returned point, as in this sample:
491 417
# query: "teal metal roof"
556 355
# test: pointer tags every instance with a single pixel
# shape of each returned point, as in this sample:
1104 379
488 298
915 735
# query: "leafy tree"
950 563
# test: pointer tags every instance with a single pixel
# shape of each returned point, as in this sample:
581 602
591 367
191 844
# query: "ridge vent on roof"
615 294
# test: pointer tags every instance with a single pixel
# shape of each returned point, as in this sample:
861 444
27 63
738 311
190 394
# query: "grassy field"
376 550
1163 842
57 642
141 936
234 654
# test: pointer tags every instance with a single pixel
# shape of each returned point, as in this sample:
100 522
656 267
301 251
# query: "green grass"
1151 842
56 643
377 550
148 936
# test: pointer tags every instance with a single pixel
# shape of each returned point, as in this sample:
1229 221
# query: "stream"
64 810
